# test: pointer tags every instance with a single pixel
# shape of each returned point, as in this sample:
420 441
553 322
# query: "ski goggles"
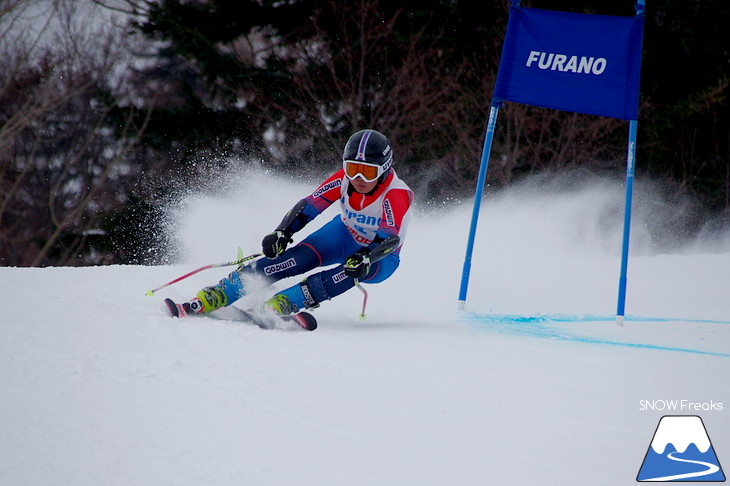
363 170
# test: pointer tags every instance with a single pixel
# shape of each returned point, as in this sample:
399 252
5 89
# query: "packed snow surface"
533 384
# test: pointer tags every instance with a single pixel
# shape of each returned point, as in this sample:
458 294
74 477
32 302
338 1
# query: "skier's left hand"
275 243
357 265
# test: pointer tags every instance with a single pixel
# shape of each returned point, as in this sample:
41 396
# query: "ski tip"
305 320
172 308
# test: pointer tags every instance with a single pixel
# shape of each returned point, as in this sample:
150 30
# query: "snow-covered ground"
534 384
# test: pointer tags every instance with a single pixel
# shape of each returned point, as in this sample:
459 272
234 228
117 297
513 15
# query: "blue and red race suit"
363 220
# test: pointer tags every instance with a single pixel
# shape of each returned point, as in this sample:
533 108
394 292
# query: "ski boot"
211 298
288 306
279 304
207 300
290 301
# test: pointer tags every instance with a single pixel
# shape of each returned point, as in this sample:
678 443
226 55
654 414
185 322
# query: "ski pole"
205 267
364 297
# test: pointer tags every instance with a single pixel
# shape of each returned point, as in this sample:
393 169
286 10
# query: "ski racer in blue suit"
363 242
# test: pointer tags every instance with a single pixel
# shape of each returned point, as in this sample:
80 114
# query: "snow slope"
534 384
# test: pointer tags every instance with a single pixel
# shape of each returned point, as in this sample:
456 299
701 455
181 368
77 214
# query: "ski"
303 320
175 310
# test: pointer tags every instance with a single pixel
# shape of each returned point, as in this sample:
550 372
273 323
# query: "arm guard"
379 249
295 219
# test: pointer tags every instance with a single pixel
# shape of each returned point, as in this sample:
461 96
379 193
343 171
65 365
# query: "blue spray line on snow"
538 326
510 318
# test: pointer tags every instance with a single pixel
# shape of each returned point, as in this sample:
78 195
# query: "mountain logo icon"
681 451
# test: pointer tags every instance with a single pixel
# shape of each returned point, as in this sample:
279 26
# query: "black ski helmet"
372 147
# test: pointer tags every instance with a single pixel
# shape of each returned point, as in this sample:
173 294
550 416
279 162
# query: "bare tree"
64 141
351 74
433 103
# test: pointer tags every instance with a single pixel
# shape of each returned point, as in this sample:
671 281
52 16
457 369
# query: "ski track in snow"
535 384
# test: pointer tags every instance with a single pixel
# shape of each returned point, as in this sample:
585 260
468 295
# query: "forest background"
111 109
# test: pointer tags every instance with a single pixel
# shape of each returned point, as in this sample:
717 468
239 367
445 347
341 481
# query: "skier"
363 241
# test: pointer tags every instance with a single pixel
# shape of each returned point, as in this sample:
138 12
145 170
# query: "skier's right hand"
275 243
357 265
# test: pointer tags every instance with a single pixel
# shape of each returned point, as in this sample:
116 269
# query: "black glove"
357 265
275 243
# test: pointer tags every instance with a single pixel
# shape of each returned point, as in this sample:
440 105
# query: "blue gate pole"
486 151
630 163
